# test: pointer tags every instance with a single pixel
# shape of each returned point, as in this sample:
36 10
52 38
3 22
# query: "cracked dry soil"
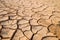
29 20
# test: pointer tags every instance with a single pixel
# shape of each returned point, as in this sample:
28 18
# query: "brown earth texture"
29 19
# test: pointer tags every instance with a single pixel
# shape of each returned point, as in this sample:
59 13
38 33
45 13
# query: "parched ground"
29 19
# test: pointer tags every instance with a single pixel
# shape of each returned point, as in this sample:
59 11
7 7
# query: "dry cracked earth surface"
29 19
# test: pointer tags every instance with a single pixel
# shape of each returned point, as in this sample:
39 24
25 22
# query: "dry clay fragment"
3 13
28 12
45 17
27 17
40 34
55 29
58 31
56 13
15 17
23 25
9 22
11 4
36 28
36 4
50 34
52 29
26 28
23 21
55 20
27 4
28 34
20 11
5 39
43 7
36 15
44 22
3 18
48 11
18 35
14 26
7 33
33 22
50 38
24 38
11 14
